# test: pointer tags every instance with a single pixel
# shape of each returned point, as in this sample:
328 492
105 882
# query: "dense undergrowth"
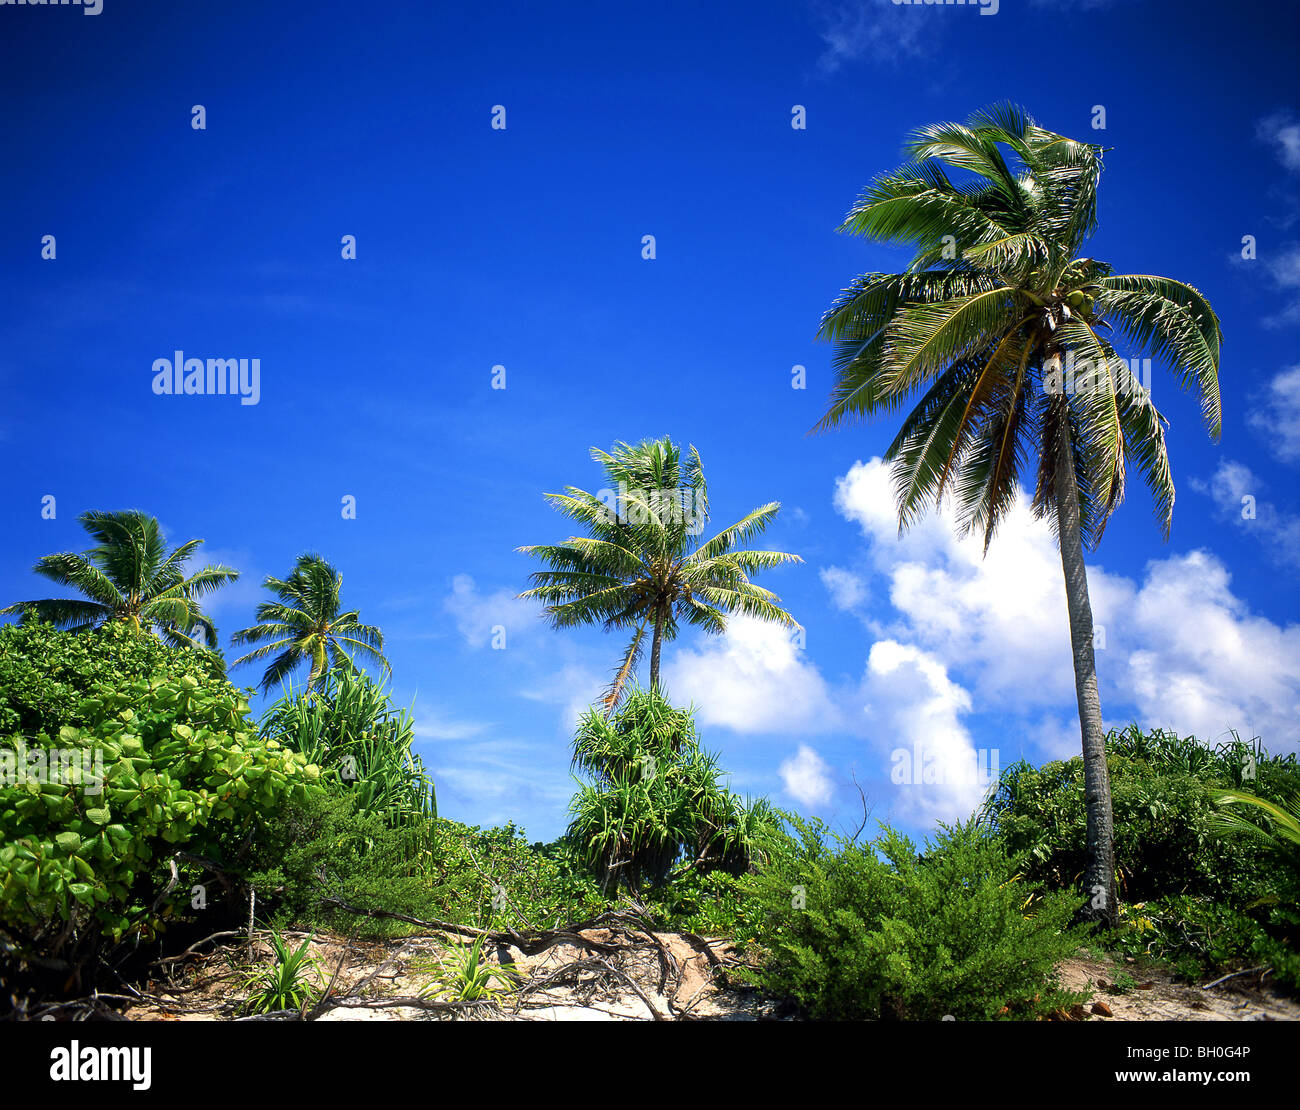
322 809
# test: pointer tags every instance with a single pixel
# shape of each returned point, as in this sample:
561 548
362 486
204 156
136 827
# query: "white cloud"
914 710
574 687
478 615
806 777
1236 491
1281 131
1276 414
1283 268
1180 648
753 679
443 729
848 591
1206 663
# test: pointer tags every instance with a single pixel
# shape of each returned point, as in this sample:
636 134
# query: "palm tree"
129 576
306 626
642 565
993 320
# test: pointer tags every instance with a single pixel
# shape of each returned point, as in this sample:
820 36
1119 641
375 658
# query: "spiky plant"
130 576
1002 326
653 801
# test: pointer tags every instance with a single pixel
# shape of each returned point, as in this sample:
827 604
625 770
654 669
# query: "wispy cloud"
1275 414
1281 131
871 29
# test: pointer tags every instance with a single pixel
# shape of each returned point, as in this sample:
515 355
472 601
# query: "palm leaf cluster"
130 576
641 566
307 624
653 800
997 297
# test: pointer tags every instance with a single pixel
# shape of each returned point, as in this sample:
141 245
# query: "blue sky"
522 248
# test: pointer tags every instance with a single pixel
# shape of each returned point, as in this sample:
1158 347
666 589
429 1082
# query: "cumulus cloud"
913 710
806 777
754 678
1179 648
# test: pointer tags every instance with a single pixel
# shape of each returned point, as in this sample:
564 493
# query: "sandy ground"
606 975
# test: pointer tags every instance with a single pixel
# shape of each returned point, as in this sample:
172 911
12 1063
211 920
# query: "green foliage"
654 799
1201 938
464 977
851 931
45 673
183 768
1208 889
348 727
328 847
286 984
1166 839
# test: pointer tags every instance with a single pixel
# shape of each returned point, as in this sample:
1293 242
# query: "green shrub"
1201 938
1198 894
1166 840
328 847
183 769
45 673
856 931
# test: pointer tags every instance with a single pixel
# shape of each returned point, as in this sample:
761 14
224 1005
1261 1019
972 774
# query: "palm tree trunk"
654 647
1099 875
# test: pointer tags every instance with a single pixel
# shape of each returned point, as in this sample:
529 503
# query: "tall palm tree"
130 576
305 625
996 310
641 566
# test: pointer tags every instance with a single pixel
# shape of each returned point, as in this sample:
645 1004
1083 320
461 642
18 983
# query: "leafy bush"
1200 938
856 931
183 768
1166 840
655 800
328 847
45 673
1200 896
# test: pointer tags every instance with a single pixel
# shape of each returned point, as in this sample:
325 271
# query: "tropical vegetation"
641 565
1006 334
307 624
131 577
